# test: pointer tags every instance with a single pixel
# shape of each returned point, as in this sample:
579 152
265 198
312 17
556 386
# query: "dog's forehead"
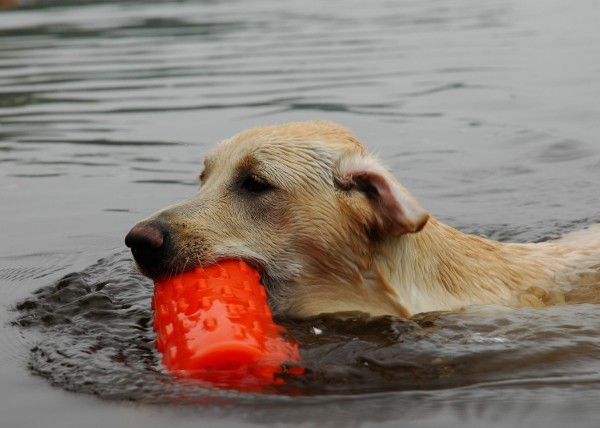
292 142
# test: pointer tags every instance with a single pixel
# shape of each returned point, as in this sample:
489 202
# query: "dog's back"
581 252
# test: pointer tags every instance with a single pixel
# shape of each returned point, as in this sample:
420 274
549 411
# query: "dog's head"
304 203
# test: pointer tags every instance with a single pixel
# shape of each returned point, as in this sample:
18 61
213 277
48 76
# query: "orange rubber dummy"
214 324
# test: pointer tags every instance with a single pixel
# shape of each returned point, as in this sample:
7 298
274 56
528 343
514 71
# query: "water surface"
486 111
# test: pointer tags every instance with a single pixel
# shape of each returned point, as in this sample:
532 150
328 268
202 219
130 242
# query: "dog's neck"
440 268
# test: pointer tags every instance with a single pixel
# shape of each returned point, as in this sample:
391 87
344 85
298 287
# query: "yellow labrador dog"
330 229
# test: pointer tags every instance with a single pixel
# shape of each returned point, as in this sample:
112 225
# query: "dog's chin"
150 272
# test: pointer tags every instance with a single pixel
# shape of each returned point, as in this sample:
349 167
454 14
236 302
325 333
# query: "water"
487 112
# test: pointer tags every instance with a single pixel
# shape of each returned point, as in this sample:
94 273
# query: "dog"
331 230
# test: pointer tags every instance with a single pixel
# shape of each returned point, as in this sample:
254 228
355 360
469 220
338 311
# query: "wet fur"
337 232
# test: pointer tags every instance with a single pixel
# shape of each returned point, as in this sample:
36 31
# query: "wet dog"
330 229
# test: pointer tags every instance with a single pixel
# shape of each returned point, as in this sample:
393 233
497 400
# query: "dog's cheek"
364 224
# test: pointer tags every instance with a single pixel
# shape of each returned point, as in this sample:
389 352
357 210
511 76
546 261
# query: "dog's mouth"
157 255
157 271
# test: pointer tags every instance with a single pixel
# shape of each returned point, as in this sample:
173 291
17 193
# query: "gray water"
487 111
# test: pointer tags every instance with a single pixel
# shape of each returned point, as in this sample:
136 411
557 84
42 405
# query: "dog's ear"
396 211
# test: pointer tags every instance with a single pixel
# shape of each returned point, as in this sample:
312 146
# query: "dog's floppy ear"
396 211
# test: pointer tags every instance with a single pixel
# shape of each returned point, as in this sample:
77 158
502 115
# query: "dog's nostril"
146 236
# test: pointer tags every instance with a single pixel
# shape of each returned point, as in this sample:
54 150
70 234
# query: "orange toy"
214 324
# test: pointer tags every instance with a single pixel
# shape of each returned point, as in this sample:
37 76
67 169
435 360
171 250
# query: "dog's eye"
254 184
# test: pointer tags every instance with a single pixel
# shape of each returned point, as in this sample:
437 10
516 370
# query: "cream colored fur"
334 231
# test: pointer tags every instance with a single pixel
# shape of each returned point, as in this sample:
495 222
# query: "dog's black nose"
147 241
146 236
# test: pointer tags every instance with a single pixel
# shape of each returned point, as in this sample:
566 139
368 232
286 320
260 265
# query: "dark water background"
487 111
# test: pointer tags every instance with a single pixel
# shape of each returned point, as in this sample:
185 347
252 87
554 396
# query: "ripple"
166 181
565 151
166 51
97 338
23 273
98 142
